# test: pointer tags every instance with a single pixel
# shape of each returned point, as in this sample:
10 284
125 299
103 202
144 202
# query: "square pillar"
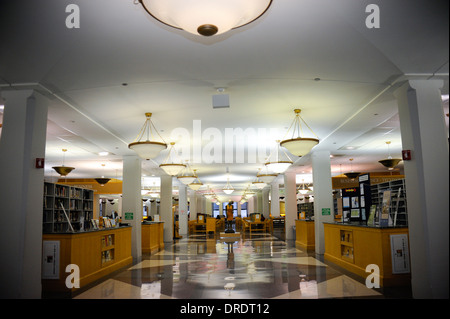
290 203
23 140
323 196
424 133
165 209
132 203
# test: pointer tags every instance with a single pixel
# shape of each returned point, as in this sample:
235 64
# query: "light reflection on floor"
256 267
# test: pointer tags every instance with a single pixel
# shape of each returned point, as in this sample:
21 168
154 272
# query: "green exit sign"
326 211
128 216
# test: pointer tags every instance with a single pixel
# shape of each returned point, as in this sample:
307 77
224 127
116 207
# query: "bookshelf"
107 244
398 209
347 245
61 200
307 209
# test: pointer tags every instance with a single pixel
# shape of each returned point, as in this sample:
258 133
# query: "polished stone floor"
247 267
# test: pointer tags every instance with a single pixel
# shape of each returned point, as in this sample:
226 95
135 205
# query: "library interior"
236 150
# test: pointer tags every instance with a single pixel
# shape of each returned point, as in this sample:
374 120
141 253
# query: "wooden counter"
354 247
96 253
152 237
305 233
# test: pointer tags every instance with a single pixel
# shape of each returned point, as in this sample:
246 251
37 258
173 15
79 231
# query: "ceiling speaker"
221 101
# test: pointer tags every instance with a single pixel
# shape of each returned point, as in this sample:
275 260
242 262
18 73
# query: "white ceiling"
317 55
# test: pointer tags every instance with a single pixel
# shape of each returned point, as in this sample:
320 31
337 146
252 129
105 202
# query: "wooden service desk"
354 247
152 237
305 233
97 253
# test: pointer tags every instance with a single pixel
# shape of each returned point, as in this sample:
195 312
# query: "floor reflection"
256 267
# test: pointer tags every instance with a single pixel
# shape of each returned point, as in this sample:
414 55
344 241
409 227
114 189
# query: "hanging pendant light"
267 177
258 183
102 181
188 175
172 168
228 189
196 184
147 149
63 170
209 194
390 162
278 165
352 174
303 190
299 146
206 18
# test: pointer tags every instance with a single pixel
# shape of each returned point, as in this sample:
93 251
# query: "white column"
265 202
275 199
323 196
259 205
21 193
424 132
290 203
193 205
132 203
165 209
208 207
239 209
251 206
221 210
183 209
202 204
119 207
153 208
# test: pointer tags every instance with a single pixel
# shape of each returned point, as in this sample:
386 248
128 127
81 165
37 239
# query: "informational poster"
400 254
50 259
385 208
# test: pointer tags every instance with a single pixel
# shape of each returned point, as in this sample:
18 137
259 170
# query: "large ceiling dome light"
206 18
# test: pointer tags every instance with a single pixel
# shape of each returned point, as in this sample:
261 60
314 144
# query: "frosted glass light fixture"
228 189
171 168
266 177
147 149
206 18
196 184
299 145
279 164
187 176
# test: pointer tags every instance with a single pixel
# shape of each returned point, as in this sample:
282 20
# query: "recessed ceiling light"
103 153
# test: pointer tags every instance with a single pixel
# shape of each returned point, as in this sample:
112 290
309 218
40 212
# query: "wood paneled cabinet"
95 253
152 237
356 247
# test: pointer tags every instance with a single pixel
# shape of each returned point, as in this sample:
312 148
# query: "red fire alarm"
406 155
39 163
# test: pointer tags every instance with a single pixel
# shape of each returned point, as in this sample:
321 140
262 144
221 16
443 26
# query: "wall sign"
128 216
400 254
326 211
50 259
